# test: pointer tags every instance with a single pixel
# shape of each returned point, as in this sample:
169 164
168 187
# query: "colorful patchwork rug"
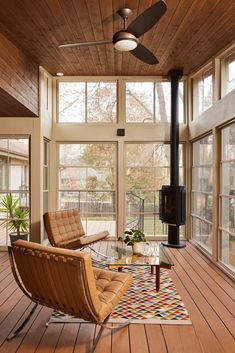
142 304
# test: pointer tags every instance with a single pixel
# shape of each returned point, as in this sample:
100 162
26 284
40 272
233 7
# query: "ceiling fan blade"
142 53
147 19
85 44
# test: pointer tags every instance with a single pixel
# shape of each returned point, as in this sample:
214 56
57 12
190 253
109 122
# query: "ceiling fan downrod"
125 13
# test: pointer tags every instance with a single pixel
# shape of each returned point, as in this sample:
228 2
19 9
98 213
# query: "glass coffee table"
155 257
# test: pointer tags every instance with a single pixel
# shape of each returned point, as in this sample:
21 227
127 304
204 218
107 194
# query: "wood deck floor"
207 293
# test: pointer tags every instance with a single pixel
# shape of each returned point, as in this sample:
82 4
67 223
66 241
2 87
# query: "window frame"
121 99
224 72
193 214
86 81
196 79
223 196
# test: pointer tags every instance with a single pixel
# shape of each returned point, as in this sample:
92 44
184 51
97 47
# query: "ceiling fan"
127 38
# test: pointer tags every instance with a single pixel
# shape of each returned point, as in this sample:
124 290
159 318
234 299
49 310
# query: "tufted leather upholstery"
66 281
64 229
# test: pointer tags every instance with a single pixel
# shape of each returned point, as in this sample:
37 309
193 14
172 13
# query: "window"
149 102
227 197
87 102
147 169
163 101
230 73
14 175
87 180
139 102
202 188
203 92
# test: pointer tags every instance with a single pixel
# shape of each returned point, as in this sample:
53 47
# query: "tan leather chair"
66 281
64 229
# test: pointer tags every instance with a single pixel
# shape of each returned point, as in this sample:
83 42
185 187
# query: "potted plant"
17 222
136 239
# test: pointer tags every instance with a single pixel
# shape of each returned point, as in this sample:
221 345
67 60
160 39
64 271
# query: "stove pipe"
172 197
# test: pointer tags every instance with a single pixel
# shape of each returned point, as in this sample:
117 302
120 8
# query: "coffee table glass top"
153 255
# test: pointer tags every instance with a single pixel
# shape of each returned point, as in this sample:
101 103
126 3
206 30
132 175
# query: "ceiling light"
124 41
59 74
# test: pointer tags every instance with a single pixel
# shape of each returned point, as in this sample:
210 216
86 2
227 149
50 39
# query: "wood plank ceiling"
190 33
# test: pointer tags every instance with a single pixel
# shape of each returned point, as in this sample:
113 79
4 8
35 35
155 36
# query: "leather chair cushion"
110 286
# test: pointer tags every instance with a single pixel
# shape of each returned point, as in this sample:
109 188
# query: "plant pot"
138 248
15 236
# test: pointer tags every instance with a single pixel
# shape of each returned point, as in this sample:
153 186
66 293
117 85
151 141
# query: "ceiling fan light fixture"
124 41
125 44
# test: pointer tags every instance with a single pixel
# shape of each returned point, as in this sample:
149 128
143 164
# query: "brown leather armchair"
64 229
66 281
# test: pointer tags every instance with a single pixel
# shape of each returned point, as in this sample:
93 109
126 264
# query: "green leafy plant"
133 236
18 215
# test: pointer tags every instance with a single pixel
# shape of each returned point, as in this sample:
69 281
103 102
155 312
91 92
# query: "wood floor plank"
156 340
216 288
67 338
104 343
4 295
35 331
190 340
203 292
176 338
138 339
14 344
219 329
4 264
9 304
207 339
120 340
4 274
13 318
173 339
85 338
50 338
3 254
6 281
222 278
